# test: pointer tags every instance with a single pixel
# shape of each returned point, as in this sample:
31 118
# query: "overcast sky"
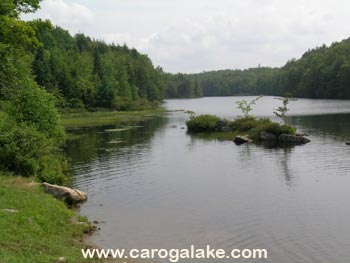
201 35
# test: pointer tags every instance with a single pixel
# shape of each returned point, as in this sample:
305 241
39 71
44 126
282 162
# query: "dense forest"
81 72
78 71
323 72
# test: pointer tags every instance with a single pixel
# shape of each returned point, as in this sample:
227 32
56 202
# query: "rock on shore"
293 139
242 139
69 195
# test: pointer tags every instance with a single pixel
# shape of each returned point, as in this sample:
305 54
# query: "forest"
85 73
323 72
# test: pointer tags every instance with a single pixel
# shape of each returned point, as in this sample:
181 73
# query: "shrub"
122 103
28 152
246 123
31 136
270 127
203 123
126 104
36 107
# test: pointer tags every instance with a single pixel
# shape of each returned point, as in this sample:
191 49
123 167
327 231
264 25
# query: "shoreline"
25 208
78 120
86 119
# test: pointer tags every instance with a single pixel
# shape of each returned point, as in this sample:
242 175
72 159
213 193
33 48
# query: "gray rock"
267 136
70 196
241 139
288 138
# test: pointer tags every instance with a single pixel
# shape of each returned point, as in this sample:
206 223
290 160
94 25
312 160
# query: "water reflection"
92 151
331 125
157 187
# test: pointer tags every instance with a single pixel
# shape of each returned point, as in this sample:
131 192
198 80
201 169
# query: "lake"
151 185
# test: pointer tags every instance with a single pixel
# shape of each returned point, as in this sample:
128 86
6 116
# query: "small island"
248 128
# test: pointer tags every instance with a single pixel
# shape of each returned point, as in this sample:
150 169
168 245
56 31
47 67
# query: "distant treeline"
323 72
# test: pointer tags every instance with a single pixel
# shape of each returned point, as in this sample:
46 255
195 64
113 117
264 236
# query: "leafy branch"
282 111
246 107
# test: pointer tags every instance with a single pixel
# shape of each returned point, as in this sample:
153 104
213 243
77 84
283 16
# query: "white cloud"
197 35
72 16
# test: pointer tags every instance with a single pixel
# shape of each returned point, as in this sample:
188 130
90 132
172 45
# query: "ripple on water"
164 188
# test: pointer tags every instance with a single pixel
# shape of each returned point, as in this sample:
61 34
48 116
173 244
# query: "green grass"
41 231
99 118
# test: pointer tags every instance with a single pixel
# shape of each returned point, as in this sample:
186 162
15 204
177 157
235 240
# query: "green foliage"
30 131
34 106
246 107
191 114
13 8
203 123
252 81
254 127
270 127
81 72
246 123
282 111
28 152
182 86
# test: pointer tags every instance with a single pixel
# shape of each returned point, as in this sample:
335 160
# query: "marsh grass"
100 118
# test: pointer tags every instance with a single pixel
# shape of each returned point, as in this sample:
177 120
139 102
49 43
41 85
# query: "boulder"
268 136
241 139
288 138
69 195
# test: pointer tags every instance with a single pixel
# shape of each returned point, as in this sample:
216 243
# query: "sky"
192 36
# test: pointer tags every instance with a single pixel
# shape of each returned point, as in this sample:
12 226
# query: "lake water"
152 185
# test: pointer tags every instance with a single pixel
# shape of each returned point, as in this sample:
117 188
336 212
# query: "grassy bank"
36 228
99 118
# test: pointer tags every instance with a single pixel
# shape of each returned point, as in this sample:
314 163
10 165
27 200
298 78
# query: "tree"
246 107
282 111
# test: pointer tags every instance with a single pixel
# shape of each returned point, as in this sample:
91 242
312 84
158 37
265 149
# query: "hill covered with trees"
82 72
323 72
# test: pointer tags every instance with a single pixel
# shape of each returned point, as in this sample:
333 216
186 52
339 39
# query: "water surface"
154 186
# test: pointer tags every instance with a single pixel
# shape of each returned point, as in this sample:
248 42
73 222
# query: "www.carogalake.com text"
174 255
